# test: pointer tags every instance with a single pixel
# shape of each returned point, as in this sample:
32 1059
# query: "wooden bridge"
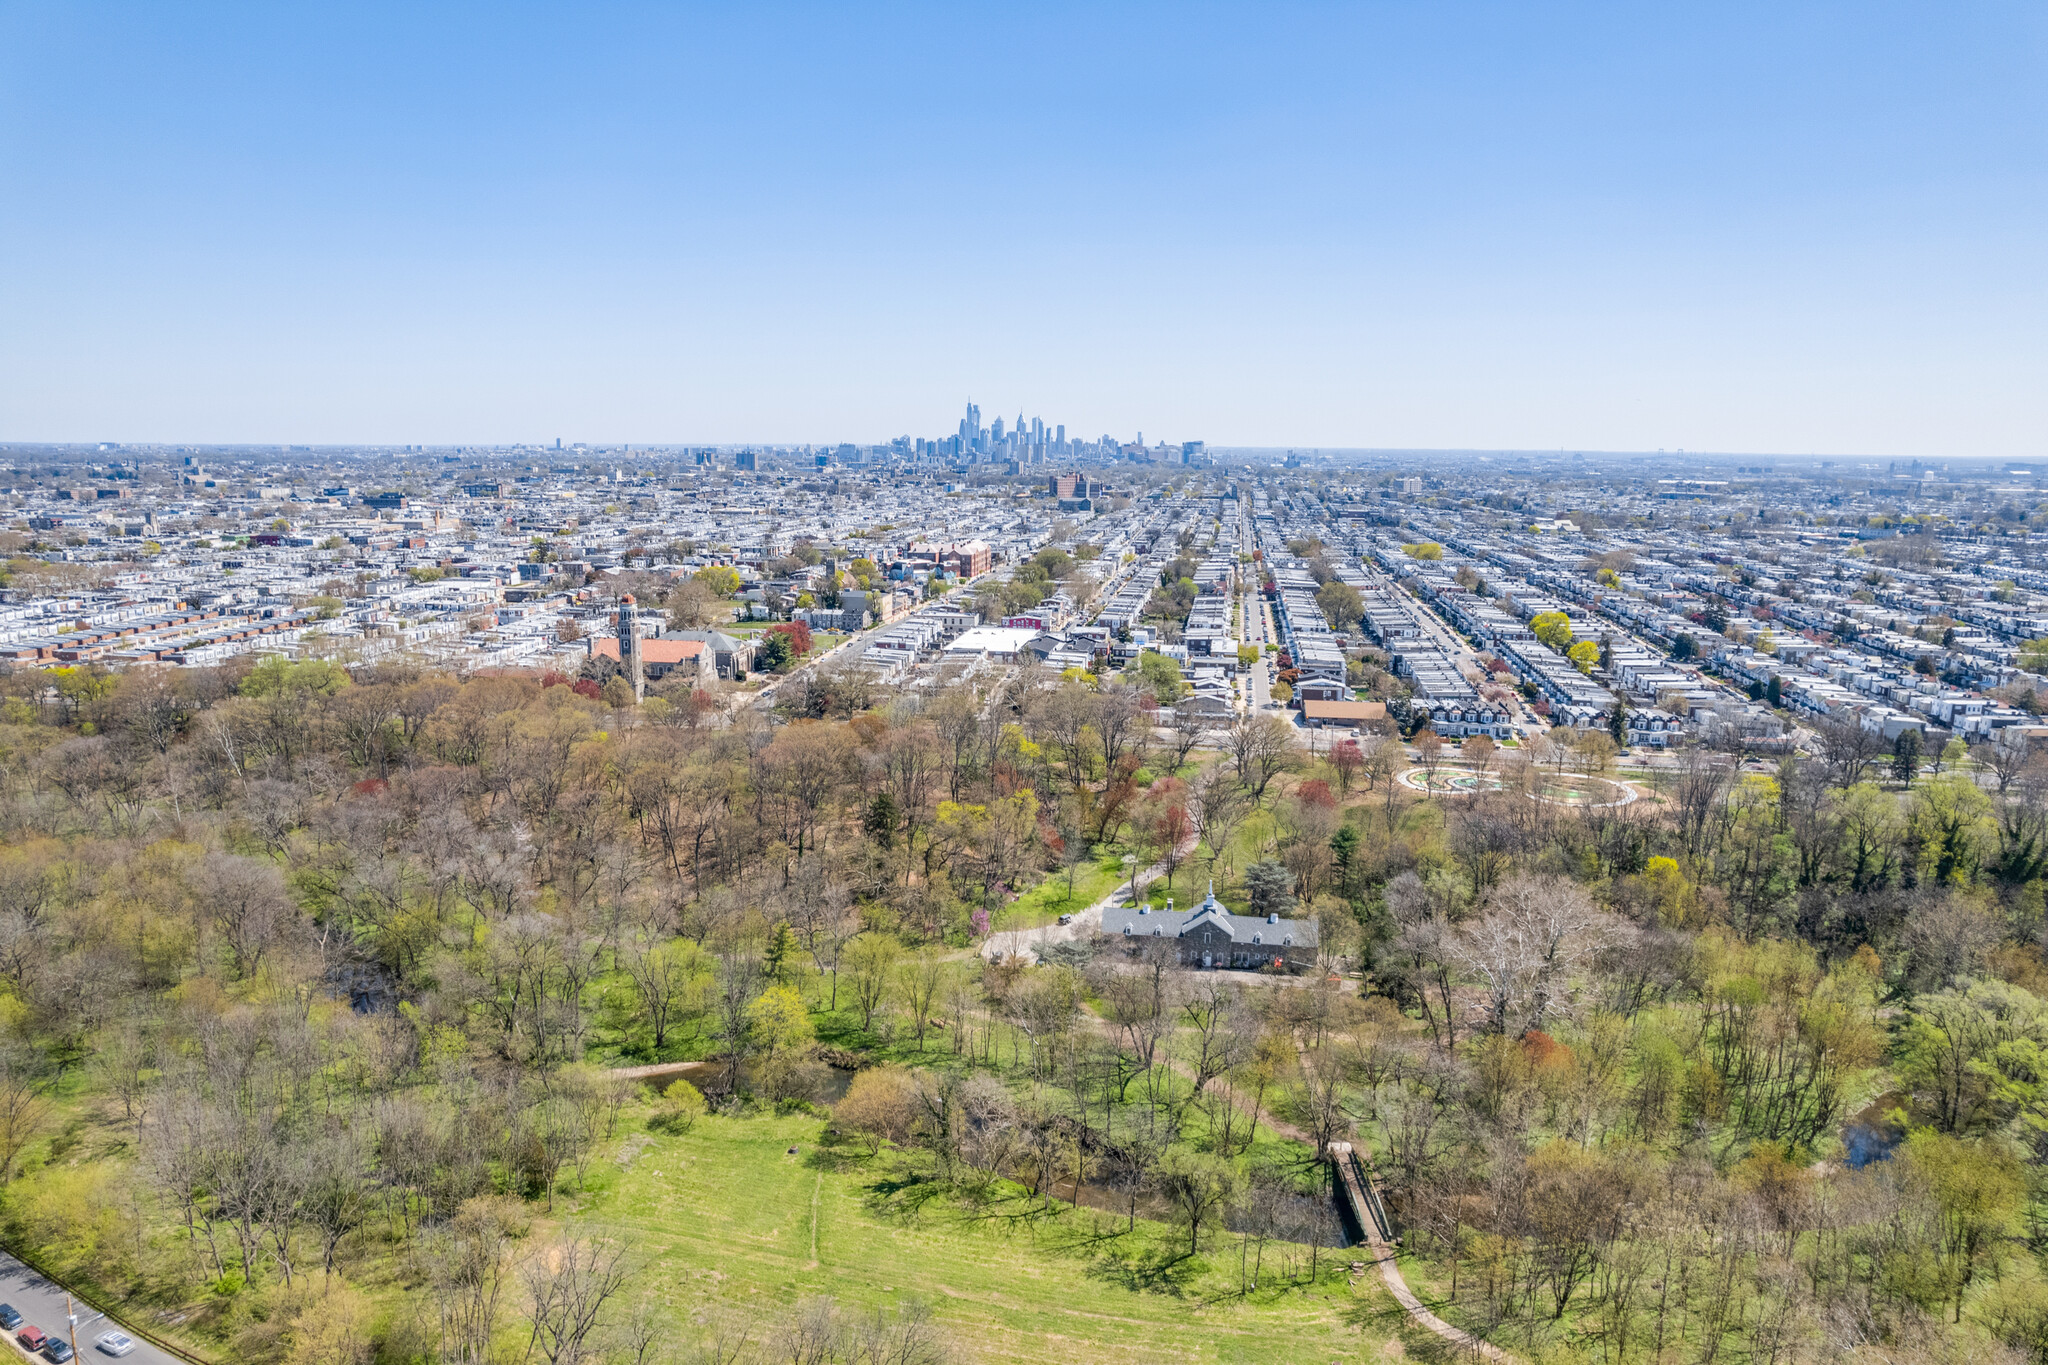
1361 1202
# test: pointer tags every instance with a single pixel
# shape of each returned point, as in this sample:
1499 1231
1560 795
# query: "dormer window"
1155 931
1127 931
1257 938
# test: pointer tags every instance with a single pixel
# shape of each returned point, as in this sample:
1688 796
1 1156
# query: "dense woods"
315 978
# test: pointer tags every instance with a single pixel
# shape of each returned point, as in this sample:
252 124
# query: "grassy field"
732 1224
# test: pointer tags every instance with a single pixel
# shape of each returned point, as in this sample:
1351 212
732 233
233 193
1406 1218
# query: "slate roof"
1177 923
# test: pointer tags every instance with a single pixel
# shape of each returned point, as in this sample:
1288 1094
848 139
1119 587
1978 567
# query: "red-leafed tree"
799 634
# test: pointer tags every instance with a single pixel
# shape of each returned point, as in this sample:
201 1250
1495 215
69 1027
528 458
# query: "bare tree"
568 1283
667 980
1261 748
1702 781
2005 756
1533 931
1848 750
467 1267
1219 807
24 1107
918 980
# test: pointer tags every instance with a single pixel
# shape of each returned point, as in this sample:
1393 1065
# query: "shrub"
682 1104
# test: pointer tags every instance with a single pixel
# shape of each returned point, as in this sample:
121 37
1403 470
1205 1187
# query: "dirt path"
1011 942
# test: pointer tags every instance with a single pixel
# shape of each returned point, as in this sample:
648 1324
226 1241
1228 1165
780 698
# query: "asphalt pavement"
41 1303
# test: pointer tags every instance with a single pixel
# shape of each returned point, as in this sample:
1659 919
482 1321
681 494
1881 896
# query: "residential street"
41 1302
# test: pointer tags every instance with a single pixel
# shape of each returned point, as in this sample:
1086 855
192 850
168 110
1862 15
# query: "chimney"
1144 909
1272 919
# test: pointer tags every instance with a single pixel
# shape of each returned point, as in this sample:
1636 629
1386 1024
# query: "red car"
31 1338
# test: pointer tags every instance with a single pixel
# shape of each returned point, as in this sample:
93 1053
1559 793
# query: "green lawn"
731 1225
1048 900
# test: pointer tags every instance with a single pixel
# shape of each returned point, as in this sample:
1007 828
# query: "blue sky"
1777 228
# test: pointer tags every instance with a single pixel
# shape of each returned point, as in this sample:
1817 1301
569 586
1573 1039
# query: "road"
1011 942
41 1302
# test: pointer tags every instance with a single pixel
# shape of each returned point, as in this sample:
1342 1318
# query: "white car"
116 1344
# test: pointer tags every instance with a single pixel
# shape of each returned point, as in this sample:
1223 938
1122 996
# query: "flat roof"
1343 710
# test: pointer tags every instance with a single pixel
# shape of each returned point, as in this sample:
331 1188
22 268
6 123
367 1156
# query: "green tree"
682 1104
879 820
1341 604
1968 1054
1163 676
779 961
1952 818
723 581
1201 1187
1584 655
1977 1189
1906 757
774 655
1553 628
780 1024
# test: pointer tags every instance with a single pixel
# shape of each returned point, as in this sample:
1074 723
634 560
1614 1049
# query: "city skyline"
1763 230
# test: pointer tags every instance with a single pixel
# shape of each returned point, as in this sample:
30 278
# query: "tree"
2005 756
1479 751
1187 728
1952 817
1163 677
781 1024
682 1104
1349 761
1553 628
668 977
1847 749
719 580
871 958
1977 1189
24 1107
1200 1186
1429 752
692 605
1533 931
1261 747
1906 757
1953 1046
799 636
881 1105
1583 656
568 1283
775 654
1219 807
1341 604
1269 888
918 980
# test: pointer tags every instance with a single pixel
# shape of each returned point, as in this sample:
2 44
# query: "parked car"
9 1319
31 1338
116 1344
57 1350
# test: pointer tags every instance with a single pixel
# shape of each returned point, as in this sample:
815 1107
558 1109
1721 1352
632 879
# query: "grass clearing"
727 1220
